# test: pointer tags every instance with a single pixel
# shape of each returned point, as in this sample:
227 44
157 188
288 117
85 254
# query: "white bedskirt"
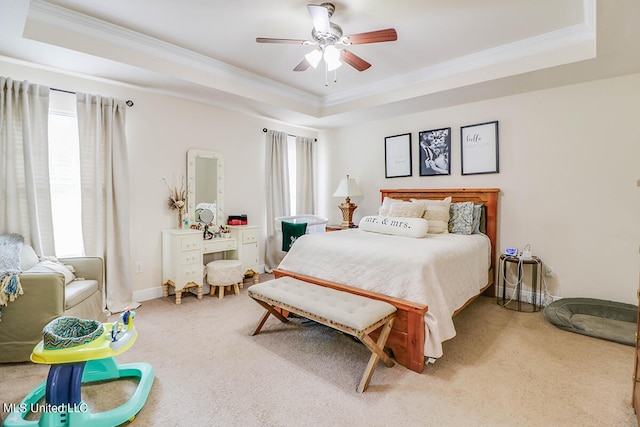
442 271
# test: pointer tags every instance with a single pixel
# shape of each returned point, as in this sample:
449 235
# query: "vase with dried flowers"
177 199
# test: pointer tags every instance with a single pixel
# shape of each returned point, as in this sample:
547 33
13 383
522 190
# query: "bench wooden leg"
377 352
265 316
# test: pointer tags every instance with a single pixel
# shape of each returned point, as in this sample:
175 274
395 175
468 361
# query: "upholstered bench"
353 314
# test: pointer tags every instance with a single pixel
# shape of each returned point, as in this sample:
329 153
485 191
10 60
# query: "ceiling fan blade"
387 35
302 66
270 40
354 60
319 18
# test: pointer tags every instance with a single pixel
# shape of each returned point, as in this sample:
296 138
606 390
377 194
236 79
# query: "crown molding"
560 40
43 12
555 45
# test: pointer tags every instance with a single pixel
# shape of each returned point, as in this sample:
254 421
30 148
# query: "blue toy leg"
61 386
64 383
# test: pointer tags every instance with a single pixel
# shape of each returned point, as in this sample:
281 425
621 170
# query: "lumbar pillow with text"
399 226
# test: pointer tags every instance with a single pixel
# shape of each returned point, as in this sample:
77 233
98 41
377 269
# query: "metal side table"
529 303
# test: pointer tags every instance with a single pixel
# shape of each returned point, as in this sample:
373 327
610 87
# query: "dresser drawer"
189 273
191 242
249 236
219 245
189 257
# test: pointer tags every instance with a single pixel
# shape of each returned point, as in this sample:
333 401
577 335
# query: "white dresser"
182 252
247 248
181 261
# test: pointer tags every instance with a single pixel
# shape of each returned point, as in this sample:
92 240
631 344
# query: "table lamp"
347 188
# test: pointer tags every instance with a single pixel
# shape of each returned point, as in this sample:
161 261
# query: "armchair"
46 297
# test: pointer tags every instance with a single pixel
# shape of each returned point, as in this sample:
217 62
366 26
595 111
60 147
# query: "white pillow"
406 210
399 226
436 212
53 267
429 202
28 258
438 219
386 205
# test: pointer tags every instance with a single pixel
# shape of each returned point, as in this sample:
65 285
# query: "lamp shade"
347 188
314 57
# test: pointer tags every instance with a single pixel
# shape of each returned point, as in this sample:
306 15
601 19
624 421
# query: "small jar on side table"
516 300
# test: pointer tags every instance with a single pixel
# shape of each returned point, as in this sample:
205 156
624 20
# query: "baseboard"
156 291
147 294
528 296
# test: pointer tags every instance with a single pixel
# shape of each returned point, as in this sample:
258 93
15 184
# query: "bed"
342 260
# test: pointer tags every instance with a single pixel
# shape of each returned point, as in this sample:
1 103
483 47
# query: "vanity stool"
224 273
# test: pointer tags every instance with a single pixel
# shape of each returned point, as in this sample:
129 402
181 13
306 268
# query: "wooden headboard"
488 196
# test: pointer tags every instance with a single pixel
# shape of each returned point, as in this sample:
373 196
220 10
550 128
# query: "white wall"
160 130
568 170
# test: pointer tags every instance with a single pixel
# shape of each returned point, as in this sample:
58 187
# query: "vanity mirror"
205 189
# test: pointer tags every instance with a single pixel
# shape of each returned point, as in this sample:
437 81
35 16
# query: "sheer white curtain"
24 164
104 172
305 176
278 197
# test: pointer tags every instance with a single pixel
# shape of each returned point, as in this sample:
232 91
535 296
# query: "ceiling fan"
331 43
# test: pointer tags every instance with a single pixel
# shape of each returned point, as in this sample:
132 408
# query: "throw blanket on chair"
10 247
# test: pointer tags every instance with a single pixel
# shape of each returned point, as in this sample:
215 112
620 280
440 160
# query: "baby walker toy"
79 352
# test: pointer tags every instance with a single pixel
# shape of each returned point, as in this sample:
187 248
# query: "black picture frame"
479 148
397 156
435 152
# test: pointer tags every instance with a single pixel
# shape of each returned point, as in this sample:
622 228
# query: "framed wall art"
397 156
479 148
435 152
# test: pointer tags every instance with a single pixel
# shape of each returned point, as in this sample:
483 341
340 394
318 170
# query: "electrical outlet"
139 267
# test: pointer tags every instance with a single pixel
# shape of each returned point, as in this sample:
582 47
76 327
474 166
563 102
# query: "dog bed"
609 320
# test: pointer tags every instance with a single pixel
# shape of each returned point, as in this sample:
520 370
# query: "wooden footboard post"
415 336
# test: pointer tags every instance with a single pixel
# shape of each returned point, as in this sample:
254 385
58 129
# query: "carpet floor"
504 368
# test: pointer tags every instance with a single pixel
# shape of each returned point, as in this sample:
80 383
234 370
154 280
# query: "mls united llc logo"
44 407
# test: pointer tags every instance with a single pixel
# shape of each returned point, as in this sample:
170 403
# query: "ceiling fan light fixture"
314 57
332 58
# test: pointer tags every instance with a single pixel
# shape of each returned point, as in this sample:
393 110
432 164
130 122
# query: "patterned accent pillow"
438 219
461 218
406 210
478 211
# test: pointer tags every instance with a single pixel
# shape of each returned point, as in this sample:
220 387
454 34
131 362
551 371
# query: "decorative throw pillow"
28 258
478 210
438 219
406 210
386 205
290 233
47 266
429 202
461 218
399 226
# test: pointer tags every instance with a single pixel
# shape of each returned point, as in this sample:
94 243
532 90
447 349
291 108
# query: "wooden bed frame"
407 336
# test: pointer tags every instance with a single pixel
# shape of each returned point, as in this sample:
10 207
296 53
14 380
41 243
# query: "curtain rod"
265 131
128 101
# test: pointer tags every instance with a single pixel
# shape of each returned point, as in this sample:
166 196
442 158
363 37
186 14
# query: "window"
64 177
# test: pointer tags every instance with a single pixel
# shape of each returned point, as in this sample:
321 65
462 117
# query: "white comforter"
442 271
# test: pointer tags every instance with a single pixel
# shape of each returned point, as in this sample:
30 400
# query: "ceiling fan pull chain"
326 74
